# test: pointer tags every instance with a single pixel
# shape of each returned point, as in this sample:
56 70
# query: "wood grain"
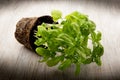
19 63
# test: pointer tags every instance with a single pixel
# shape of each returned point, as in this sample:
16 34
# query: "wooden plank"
19 63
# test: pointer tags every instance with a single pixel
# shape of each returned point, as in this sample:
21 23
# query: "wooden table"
19 63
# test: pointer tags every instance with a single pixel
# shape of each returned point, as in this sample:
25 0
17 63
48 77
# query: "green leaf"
88 61
65 38
42 51
77 71
56 14
38 34
98 36
85 30
54 61
65 64
53 48
54 33
81 52
71 28
68 41
39 41
91 25
76 16
98 50
70 50
98 61
85 41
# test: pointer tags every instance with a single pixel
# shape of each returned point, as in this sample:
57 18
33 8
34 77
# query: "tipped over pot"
62 41
25 29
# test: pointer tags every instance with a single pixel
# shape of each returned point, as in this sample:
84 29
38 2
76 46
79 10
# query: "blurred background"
19 63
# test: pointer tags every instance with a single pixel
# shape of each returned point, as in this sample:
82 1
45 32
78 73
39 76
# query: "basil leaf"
56 14
77 71
54 61
68 41
42 51
65 64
